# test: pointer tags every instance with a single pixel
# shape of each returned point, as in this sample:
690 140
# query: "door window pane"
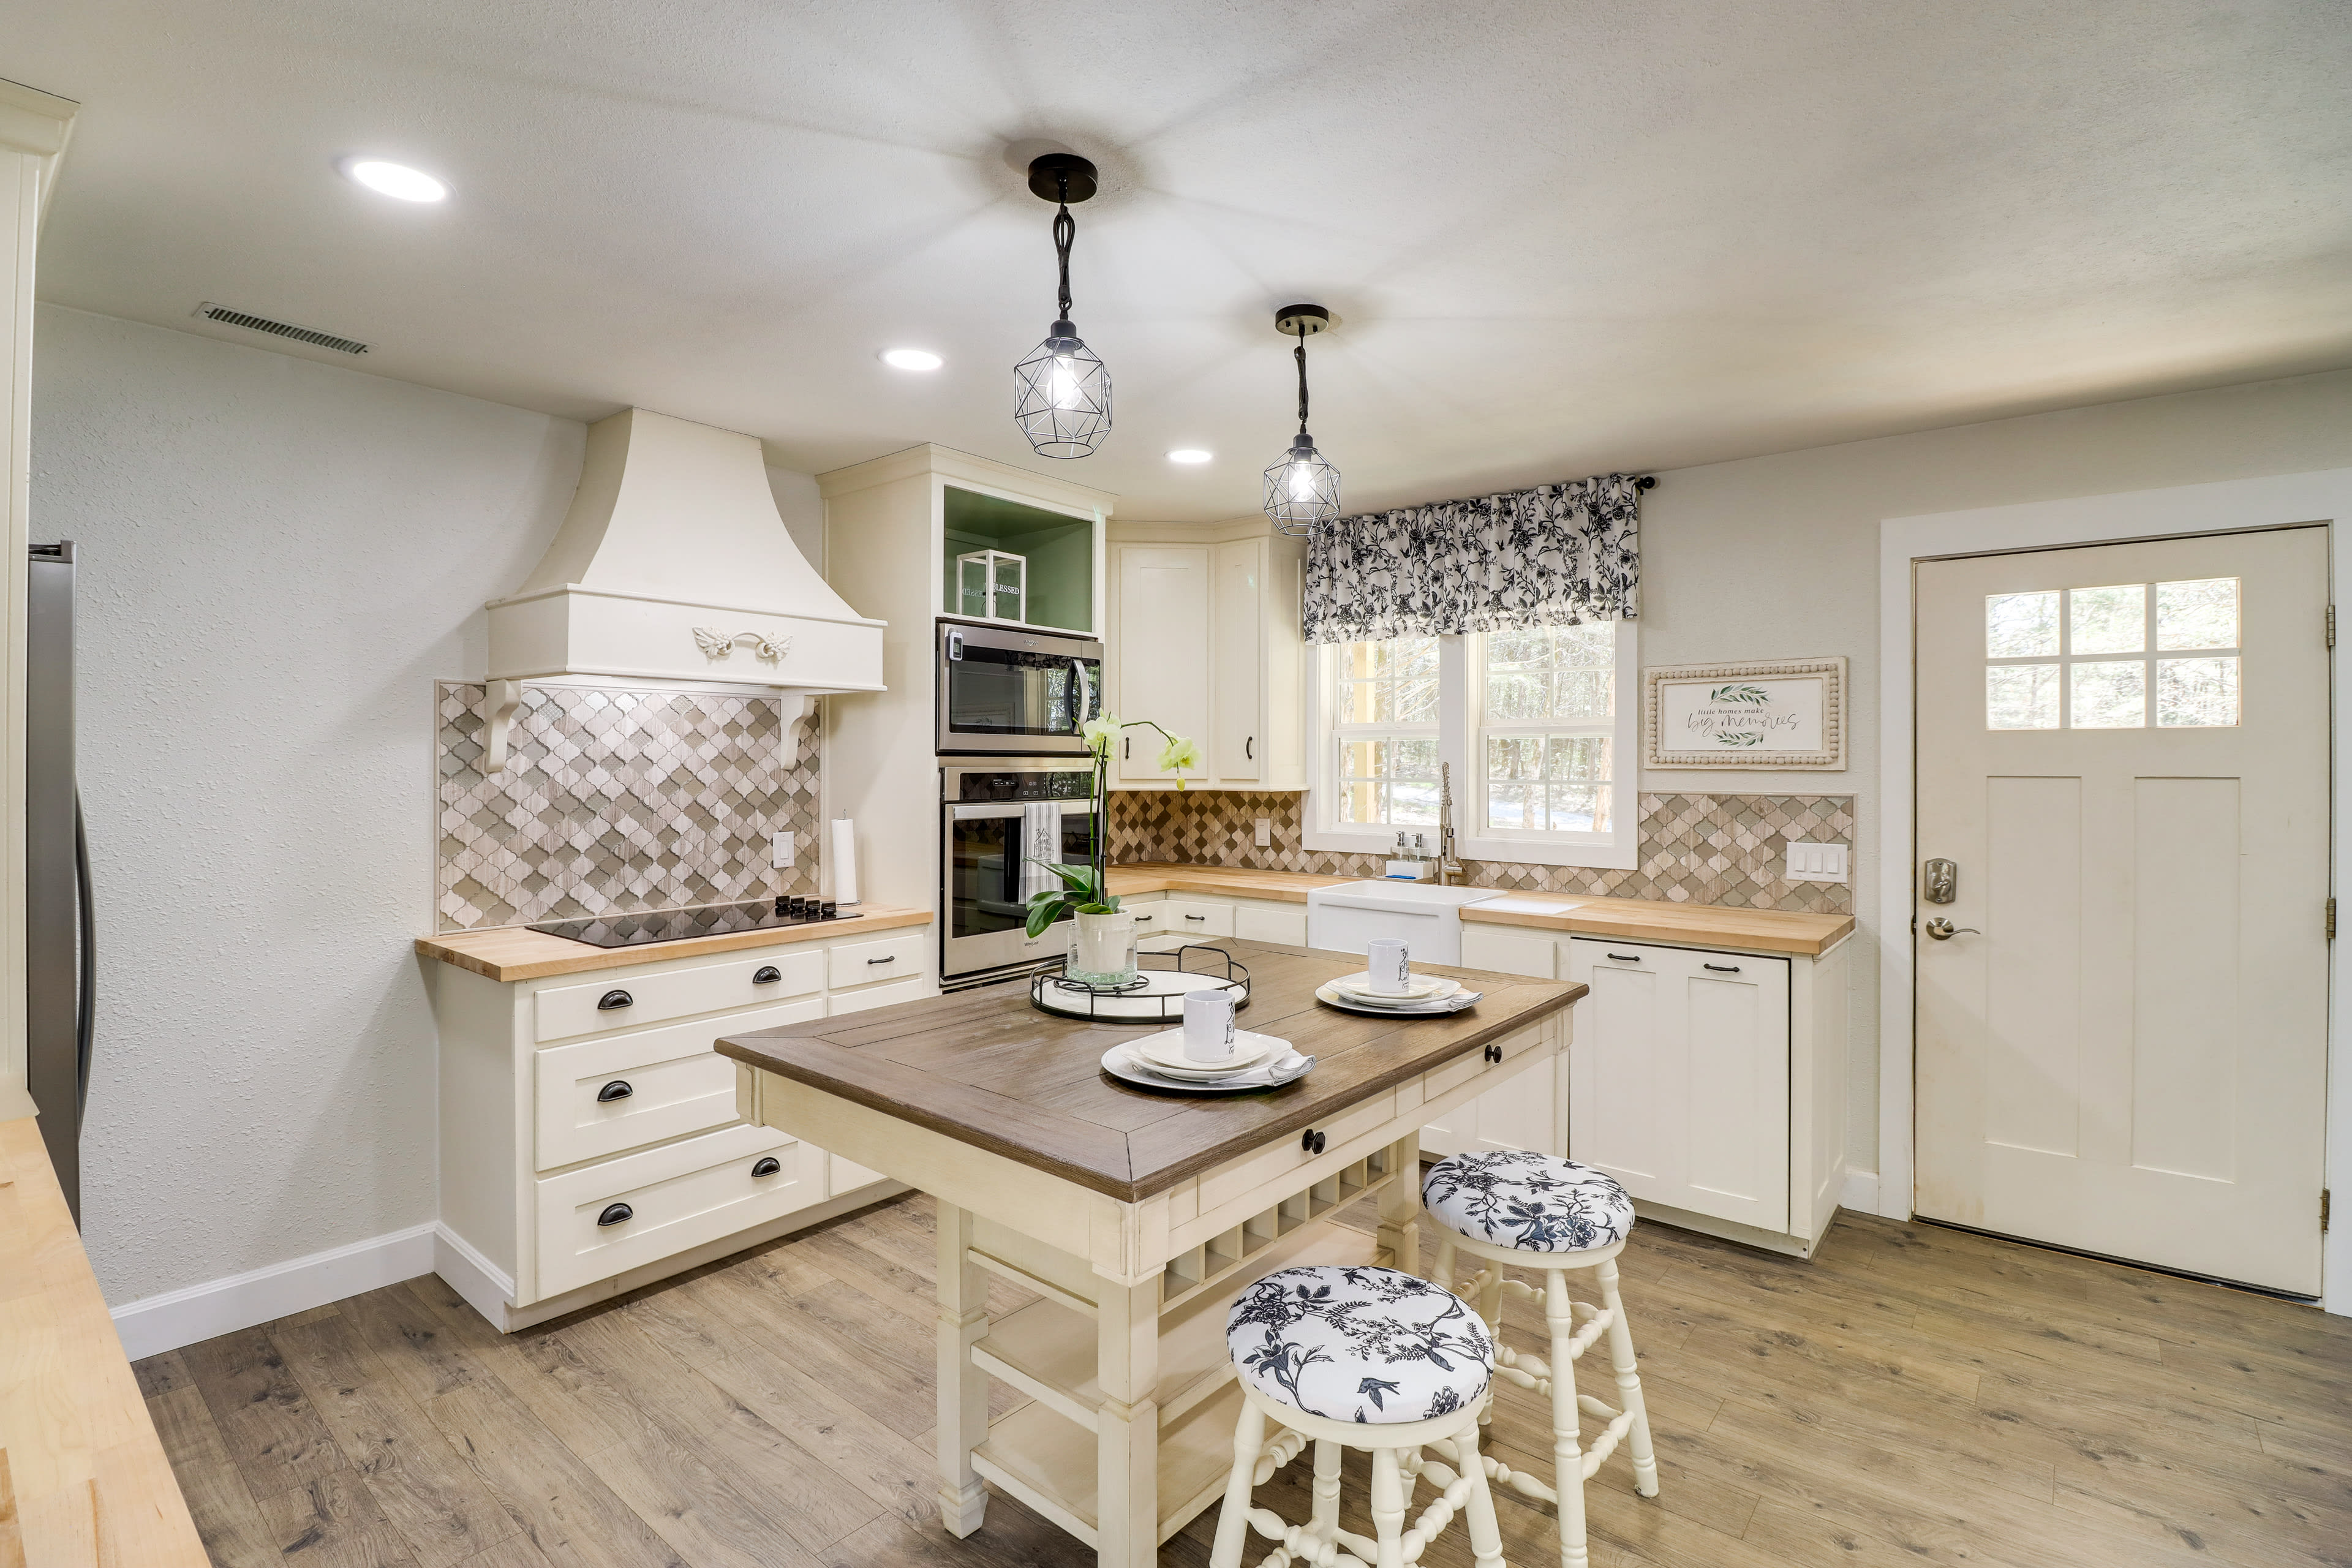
2021 625
2196 693
2107 620
2202 613
2109 694
2022 695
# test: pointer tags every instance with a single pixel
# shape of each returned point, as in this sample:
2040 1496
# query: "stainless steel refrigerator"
60 950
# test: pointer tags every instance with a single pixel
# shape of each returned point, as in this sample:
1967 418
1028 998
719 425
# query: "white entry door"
2123 755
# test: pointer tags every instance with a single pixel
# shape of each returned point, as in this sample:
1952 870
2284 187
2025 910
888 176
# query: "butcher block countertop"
516 953
1580 914
986 1068
83 1477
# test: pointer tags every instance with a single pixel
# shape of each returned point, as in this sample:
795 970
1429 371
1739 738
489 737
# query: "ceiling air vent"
212 312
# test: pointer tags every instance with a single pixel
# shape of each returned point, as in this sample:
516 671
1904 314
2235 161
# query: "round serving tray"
1156 996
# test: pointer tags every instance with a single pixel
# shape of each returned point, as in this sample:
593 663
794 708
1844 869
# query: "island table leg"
1127 1434
1399 1229
963 1386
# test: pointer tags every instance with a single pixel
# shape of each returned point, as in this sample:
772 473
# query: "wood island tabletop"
985 1067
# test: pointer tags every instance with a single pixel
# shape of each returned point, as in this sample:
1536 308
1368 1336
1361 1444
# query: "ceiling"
1561 238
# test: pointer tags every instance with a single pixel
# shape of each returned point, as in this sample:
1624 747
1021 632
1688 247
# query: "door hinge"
2331 626
2331 919
2322 1211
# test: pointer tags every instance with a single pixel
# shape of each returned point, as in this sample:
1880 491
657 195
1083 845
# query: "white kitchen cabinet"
1205 640
1162 659
1679 1084
563 1105
1165 921
1711 1082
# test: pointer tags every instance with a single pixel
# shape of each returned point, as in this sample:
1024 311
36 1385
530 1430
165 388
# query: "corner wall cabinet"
592 1141
1205 641
1710 1082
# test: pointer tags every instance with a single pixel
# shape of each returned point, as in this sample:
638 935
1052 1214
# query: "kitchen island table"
1133 1218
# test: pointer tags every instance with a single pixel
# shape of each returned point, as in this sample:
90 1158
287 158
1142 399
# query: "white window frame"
1459 731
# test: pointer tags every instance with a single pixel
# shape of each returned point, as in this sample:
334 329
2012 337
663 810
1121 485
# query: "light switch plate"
779 850
1265 832
1816 862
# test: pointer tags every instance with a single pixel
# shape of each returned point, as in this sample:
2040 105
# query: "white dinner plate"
1122 1063
1444 1007
1358 987
1164 1053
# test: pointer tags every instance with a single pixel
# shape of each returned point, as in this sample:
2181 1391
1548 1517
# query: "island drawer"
561 1011
892 958
640 1208
1255 1172
1473 1063
601 1097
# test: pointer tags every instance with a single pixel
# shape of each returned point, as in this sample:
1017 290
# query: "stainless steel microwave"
1008 690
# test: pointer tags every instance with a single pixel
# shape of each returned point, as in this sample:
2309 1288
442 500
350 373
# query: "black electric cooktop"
711 919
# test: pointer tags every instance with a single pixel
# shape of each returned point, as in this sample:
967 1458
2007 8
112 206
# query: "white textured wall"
1777 557
278 559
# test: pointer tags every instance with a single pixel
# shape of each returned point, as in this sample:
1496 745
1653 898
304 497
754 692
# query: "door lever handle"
1943 929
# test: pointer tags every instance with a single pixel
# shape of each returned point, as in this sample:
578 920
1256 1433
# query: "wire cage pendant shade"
1302 488
1061 389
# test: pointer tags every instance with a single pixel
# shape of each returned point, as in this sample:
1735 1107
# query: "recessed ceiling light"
911 359
1189 455
396 180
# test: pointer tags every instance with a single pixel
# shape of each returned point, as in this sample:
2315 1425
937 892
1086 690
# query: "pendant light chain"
1065 229
1301 352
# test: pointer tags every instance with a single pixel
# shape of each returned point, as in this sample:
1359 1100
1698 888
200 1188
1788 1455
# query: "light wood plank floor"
1914 1395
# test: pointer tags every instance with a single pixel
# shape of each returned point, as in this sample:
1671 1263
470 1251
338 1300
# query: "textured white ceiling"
1561 238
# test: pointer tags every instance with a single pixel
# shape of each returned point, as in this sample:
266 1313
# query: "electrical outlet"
1816 862
779 850
1265 832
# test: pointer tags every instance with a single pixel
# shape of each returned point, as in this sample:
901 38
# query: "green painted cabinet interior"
1058 547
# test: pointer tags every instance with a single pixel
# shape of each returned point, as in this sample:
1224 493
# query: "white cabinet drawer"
603 1096
562 1010
877 996
1252 1171
1255 924
666 1200
892 958
1188 917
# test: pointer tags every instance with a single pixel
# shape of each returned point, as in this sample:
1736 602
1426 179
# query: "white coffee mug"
1208 1026
1389 964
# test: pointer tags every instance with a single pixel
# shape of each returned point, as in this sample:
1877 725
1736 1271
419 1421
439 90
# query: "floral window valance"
1554 555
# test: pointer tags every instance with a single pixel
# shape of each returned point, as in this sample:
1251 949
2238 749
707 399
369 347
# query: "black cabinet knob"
615 1214
617 1089
1494 1052
611 999
1311 1141
766 1165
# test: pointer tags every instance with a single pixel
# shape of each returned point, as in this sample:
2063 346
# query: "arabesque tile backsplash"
614 801
1695 849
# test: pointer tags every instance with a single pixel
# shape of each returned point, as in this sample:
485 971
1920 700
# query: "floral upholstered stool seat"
1358 1357
1534 1211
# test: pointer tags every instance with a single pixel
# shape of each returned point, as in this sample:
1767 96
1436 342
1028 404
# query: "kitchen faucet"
1448 868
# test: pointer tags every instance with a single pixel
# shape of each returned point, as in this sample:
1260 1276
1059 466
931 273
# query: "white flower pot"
1102 950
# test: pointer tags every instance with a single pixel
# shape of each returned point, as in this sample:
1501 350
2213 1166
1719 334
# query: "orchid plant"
1085 889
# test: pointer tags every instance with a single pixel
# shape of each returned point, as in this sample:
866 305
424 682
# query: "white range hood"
673 566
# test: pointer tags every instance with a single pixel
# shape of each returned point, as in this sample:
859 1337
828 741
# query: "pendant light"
1301 489
1063 393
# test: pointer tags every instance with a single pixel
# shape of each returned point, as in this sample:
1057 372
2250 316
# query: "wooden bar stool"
1359 1358
1516 1207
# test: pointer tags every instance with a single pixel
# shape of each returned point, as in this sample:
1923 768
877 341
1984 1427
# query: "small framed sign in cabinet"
1790 713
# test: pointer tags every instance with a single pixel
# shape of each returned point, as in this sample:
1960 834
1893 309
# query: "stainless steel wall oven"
999 819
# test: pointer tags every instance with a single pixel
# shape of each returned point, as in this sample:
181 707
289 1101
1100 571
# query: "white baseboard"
486 1287
158 1323
1860 1192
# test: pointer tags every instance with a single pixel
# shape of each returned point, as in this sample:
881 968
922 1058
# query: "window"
1534 725
2123 657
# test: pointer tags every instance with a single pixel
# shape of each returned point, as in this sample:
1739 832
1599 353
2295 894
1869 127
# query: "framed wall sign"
1790 713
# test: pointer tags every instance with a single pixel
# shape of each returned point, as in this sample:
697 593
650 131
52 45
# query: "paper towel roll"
845 860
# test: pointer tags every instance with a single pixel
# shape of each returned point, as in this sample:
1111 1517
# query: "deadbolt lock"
1940 881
